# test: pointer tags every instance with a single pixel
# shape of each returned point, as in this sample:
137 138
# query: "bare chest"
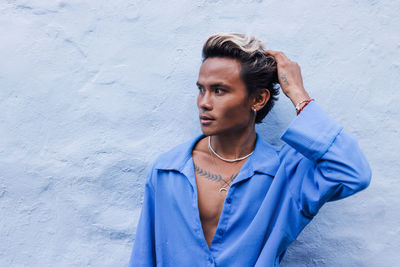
213 184
211 196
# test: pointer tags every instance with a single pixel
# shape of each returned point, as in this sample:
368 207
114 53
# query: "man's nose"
205 101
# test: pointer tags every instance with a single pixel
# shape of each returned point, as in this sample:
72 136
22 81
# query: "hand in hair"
290 79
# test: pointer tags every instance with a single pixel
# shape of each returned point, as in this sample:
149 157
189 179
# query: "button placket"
226 210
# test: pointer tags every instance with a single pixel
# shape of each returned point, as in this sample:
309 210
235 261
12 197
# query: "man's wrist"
297 96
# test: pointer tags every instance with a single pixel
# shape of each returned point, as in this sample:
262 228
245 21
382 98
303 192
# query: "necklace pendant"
223 189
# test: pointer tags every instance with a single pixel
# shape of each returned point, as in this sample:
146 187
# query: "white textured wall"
92 91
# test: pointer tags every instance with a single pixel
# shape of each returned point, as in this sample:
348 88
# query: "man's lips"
206 119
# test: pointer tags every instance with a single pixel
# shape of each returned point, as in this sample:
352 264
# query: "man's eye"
218 90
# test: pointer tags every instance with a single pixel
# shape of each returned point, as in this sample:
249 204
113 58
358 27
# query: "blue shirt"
275 195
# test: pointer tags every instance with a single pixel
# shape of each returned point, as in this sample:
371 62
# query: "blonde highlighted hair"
258 70
246 43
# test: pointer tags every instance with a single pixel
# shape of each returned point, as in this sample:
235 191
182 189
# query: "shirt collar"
264 159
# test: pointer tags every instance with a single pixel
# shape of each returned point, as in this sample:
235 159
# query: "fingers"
279 56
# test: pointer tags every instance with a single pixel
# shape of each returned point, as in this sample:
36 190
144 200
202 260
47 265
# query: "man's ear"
260 99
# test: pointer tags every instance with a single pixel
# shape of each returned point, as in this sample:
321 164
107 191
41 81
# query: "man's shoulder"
176 157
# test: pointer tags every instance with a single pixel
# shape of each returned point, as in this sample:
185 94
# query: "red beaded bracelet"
306 103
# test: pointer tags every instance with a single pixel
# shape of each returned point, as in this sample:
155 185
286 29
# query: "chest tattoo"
214 177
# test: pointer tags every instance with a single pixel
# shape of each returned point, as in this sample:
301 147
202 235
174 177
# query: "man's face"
223 102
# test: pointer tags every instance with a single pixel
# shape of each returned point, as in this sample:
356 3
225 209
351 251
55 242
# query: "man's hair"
258 70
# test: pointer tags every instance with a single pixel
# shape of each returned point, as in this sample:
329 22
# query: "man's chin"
207 131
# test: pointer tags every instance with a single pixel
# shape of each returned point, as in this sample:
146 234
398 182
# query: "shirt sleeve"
143 253
329 164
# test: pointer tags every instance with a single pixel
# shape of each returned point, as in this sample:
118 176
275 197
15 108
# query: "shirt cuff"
312 132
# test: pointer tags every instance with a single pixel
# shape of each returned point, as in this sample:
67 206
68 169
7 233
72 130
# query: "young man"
227 198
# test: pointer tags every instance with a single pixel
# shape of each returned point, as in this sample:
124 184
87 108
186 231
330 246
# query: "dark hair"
258 70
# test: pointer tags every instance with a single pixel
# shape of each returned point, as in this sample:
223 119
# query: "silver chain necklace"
226 184
224 159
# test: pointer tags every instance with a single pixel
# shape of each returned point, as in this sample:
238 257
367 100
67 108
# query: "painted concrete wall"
92 91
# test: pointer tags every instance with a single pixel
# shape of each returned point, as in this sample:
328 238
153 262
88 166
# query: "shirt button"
220 232
228 200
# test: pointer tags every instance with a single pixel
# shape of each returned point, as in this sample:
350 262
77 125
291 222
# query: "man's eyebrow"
219 85
214 85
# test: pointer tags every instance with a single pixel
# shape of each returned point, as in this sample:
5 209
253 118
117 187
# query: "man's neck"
235 144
